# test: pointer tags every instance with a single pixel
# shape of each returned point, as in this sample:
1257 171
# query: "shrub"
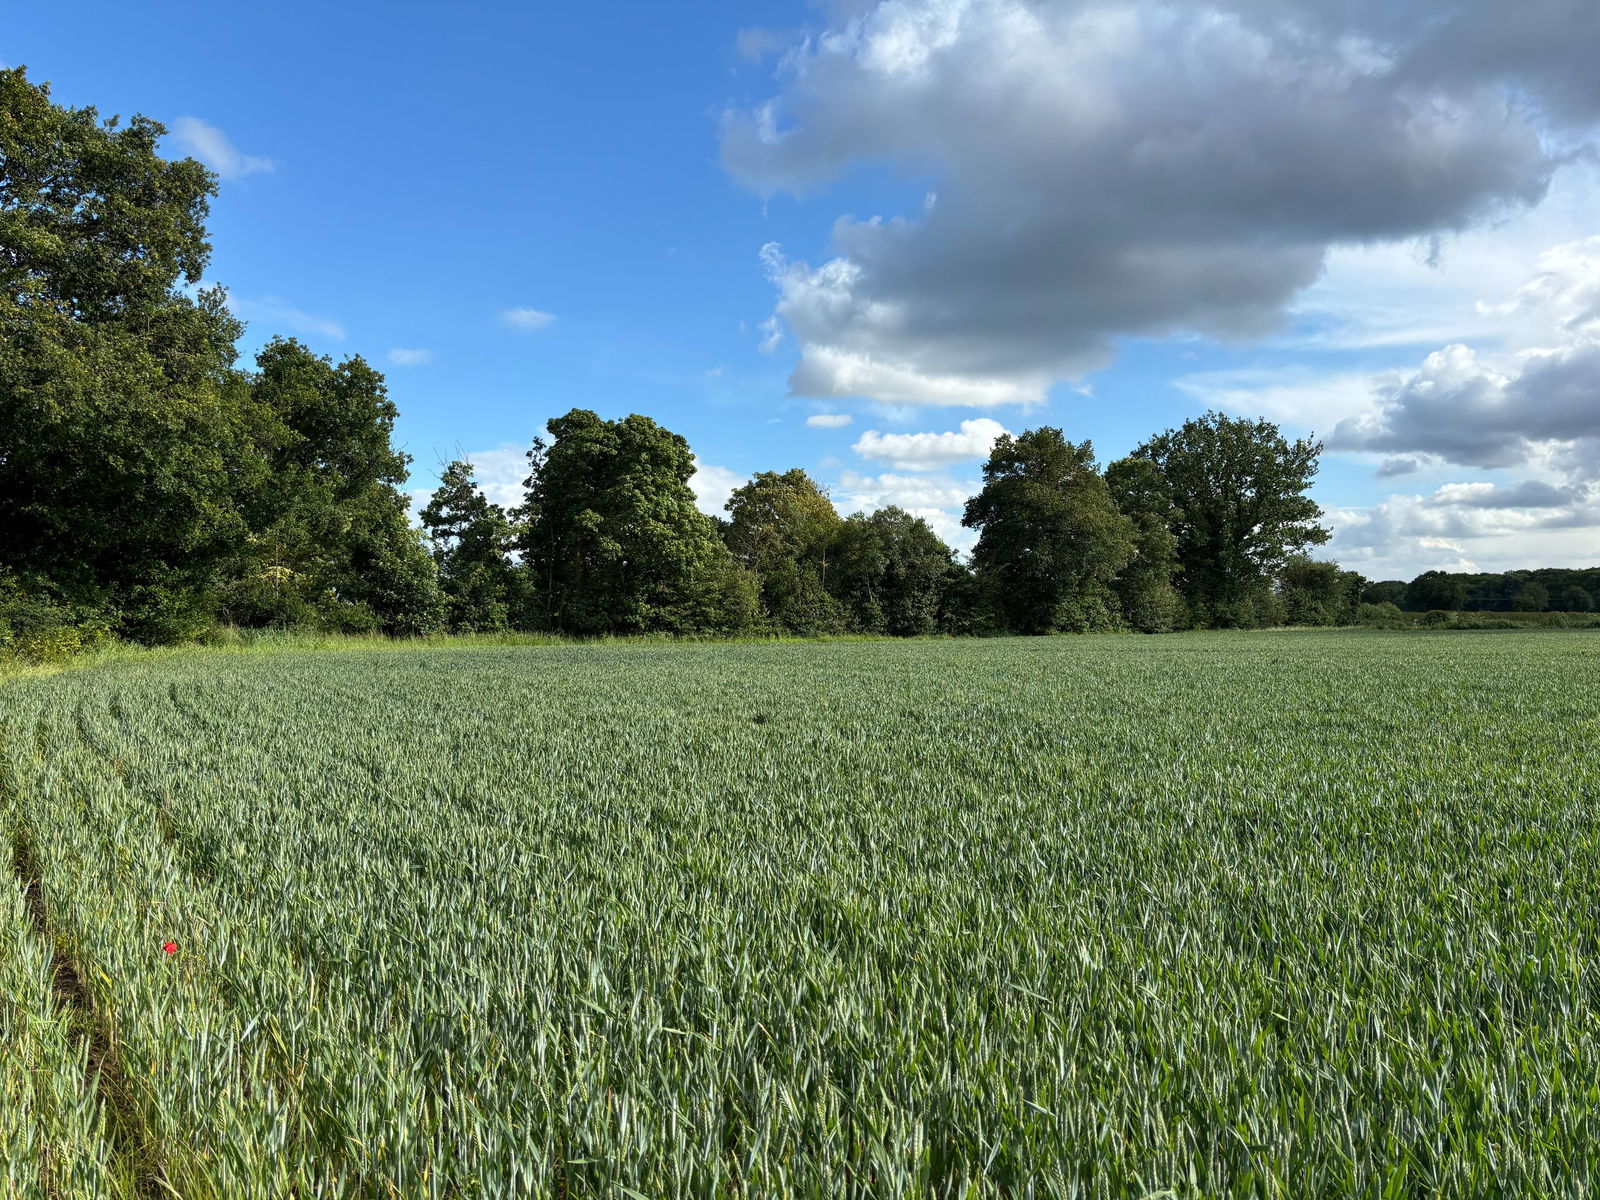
1383 615
36 627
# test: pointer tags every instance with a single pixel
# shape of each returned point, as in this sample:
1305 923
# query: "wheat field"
1282 914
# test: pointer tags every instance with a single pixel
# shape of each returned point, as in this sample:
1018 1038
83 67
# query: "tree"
1050 540
1436 590
1575 600
1531 596
1239 487
124 430
889 570
471 540
331 526
1318 593
1150 603
1386 591
781 528
612 540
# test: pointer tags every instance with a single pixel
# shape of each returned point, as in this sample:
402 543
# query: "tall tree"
331 524
1239 487
1050 541
124 430
612 540
889 570
1150 602
781 528
471 542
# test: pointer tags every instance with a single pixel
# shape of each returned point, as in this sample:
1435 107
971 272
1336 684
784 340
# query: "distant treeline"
1548 589
151 487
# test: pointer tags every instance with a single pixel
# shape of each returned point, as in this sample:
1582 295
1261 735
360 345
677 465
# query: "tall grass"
1284 914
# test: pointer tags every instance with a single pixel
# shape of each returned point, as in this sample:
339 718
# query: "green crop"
1271 915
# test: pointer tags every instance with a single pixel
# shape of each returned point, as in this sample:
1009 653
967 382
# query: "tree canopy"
125 436
1050 538
782 528
471 540
1239 491
612 540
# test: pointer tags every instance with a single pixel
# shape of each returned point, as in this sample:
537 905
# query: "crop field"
1271 915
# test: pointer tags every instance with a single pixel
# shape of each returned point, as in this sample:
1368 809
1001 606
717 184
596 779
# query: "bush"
36 627
54 643
1383 615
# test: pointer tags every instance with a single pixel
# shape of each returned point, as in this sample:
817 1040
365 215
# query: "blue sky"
977 214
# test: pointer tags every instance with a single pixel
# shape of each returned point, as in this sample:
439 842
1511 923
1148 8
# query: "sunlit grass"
1283 914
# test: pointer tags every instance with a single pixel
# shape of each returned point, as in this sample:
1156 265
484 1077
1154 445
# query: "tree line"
1203 525
1546 589
151 486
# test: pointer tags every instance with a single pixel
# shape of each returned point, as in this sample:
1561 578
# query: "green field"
1271 914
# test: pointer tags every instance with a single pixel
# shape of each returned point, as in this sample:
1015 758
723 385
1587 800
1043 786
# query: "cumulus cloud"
1129 167
1543 46
771 335
926 451
525 320
1536 404
501 472
402 357
212 147
1468 527
712 486
829 420
1429 292
1298 395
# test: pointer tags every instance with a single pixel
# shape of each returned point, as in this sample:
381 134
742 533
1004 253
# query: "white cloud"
771 335
501 473
1532 402
1466 527
925 451
829 420
1530 493
525 320
212 147
712 486
1133 168
1431 291
401 357
1294 395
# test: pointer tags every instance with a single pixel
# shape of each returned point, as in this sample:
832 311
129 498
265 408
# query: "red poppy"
170 947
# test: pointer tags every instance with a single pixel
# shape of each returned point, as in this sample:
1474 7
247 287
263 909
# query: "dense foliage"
1203 916
1239 512
1548 589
